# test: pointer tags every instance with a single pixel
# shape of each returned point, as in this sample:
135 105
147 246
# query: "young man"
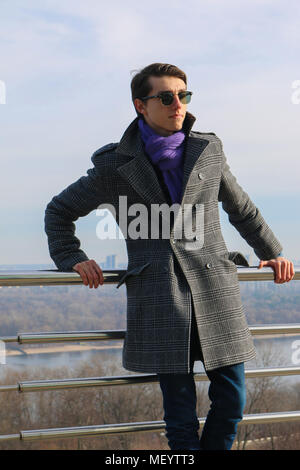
183 298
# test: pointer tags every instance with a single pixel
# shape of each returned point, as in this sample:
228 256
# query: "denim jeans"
228 399
227 392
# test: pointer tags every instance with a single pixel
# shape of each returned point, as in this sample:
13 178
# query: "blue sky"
67 67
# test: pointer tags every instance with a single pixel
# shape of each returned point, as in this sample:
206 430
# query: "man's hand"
90 273
282 267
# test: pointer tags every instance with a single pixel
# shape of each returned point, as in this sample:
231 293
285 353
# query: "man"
183 298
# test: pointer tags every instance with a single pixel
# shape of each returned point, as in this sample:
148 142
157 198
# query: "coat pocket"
132 272
238 258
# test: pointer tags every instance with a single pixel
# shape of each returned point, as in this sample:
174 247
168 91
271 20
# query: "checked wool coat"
167 277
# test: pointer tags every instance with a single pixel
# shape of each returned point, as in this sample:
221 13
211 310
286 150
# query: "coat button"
200 176
208 265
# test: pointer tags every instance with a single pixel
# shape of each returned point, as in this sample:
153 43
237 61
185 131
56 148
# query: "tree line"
81 308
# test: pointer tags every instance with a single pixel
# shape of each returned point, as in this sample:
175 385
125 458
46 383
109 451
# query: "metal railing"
57 278
53 277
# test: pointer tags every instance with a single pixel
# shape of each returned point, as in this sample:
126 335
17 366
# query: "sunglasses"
167 97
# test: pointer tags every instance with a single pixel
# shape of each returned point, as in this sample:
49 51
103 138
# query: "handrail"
66 384
54 277
51 277
105 429
110 335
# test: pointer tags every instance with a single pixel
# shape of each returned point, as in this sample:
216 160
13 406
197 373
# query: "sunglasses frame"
160 95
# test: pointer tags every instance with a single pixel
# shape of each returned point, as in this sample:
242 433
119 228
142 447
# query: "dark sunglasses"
167 97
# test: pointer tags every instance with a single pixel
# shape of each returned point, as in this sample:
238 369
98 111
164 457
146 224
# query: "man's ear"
139 106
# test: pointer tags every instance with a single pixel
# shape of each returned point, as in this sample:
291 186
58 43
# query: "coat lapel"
195 150
139 171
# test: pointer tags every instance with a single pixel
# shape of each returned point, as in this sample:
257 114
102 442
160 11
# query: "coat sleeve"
245 216
77 200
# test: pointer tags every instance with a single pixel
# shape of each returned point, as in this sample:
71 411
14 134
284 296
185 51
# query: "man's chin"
177 126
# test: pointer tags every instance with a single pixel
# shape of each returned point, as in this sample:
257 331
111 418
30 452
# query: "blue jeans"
227 393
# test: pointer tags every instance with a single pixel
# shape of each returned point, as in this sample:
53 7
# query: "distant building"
109 263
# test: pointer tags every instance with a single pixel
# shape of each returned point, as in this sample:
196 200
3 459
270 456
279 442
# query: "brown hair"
140 86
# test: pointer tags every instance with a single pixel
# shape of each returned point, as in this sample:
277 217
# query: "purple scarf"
166 153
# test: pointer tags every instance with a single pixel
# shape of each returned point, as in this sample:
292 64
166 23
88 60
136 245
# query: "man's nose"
176 102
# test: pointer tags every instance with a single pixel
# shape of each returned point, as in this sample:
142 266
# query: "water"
53 361
279 351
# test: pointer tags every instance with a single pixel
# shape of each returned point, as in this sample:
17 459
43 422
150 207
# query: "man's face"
165 120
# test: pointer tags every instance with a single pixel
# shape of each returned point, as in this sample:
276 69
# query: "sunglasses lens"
167 98
185 97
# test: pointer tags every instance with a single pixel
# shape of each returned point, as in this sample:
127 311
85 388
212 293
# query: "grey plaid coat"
165 275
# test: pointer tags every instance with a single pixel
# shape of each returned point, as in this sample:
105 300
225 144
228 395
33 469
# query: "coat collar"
139 171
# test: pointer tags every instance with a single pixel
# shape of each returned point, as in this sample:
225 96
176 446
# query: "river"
280 351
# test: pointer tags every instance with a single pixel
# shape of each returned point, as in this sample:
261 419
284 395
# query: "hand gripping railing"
53 277
57 278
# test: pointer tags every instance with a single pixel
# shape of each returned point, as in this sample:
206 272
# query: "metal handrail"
105 429
51 277
66 384
64 336
110 335
54 277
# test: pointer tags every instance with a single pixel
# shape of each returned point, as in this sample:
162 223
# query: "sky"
67 65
